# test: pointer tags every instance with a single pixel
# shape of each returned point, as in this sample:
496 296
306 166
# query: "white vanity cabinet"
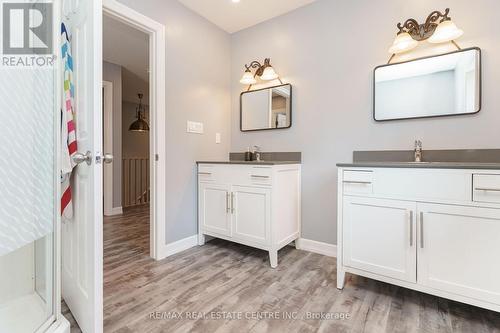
254 205
378 236
432 230
459 250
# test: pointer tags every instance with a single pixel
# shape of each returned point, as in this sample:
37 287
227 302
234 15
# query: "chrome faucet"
256 153
418 151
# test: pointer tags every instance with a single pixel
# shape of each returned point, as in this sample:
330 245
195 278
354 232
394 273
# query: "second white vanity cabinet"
430 229
251 204
377 237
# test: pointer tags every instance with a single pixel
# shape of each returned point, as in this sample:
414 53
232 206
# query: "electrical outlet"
217 138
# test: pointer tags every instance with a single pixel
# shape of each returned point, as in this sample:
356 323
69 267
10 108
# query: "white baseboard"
178 246
114 211
317 247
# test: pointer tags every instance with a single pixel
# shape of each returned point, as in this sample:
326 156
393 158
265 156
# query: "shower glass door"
29 178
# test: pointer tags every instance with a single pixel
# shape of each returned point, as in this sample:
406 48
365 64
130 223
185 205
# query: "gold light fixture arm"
392 57
456 45
421 32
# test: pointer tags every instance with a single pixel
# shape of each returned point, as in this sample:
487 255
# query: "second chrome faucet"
256 153
418 151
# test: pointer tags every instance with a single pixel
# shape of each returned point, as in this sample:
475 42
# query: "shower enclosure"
30 85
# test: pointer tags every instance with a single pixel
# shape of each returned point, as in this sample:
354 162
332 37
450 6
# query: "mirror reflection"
442 85
265 109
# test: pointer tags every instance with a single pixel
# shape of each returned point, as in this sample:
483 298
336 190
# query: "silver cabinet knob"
79 158
107 158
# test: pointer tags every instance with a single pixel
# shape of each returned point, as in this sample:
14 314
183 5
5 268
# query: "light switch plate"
194 127
217 138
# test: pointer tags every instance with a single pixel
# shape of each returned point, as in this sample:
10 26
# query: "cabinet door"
252 214
214 208
458 250
380 236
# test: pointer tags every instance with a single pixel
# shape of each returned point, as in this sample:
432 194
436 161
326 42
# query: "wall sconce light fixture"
438 28
265 71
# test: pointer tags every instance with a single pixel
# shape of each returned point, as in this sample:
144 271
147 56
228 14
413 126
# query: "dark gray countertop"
429 165
249 162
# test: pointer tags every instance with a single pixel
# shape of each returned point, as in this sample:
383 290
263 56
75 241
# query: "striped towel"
68 129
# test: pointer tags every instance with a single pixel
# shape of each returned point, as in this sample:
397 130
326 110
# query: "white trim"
62 325
56 239
108 146
116 211
317 247
157 47
179 246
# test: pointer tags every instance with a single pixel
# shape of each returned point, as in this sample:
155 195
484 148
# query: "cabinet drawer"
486 188
358 182
206 173
260 175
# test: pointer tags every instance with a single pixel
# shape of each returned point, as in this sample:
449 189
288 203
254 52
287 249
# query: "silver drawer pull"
356 182
232 203
205 173
487 189
421 230
411 228
257 176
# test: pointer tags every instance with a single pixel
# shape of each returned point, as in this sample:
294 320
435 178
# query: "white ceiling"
126 46
233 17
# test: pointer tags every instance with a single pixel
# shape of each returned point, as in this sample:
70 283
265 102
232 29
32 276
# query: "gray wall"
113 73
198 89
328 50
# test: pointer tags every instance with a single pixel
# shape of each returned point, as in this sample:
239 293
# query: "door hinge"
157 157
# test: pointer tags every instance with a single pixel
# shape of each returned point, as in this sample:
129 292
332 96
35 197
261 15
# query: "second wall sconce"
263 71
438 28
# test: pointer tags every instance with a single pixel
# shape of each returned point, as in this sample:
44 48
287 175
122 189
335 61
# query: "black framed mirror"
266 109
436 86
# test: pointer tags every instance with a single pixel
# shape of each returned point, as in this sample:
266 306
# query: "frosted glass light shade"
269 74
445 32
403 42
248 78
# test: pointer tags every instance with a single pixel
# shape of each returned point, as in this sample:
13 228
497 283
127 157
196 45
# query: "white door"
251 214
82 236
380 237
215 208
458 250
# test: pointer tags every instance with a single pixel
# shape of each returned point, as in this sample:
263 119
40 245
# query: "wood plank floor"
223 279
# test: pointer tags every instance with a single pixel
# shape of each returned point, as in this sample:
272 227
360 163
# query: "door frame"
157 134
108 146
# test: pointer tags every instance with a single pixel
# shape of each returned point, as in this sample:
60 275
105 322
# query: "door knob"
107 158
79 158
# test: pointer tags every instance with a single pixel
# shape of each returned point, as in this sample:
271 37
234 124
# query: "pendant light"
140 125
